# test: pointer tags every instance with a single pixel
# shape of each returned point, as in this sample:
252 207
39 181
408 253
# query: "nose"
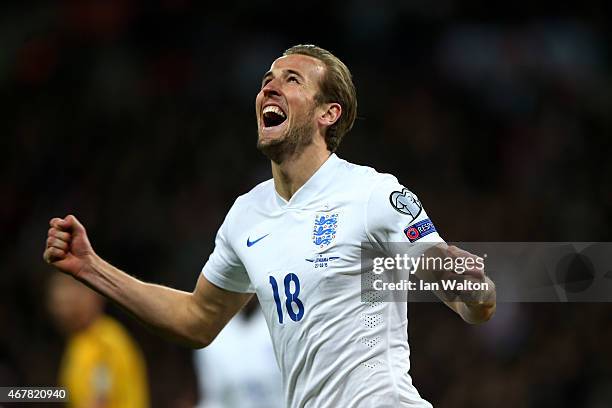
271 88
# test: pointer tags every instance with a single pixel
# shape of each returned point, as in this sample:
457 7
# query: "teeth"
275 109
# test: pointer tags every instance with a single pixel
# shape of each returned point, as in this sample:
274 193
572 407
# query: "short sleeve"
395 215
223 268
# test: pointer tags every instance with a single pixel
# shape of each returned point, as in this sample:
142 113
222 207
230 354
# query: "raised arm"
193 319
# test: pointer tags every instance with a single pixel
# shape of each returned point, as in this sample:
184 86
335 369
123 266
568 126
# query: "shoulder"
368 178
385 197
257 195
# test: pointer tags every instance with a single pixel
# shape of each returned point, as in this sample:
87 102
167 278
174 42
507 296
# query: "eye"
265 82
293 78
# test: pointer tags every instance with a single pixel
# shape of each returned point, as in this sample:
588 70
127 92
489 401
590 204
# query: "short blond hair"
336 86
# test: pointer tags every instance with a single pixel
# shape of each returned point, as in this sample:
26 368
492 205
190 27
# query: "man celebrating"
295 241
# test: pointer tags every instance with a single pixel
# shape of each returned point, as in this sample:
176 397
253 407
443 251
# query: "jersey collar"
314 188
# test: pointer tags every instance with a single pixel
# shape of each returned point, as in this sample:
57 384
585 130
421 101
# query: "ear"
330 115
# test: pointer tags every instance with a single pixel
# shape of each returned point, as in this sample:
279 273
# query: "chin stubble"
293 142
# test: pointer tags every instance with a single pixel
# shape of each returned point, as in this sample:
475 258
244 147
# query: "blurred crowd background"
138 117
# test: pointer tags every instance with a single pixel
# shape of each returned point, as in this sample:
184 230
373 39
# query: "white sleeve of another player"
394 214
223 268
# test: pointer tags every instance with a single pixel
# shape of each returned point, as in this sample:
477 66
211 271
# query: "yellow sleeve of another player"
103 368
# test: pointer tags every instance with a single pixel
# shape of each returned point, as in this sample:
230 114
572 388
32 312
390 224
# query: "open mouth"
273 116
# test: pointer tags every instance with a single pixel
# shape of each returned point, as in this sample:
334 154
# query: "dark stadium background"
138 117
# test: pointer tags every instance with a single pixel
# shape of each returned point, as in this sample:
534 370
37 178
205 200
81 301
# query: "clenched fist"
68 248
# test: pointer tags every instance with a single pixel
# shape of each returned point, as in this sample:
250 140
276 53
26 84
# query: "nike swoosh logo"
251 243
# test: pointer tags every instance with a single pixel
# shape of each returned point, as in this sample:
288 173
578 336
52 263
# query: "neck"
293 172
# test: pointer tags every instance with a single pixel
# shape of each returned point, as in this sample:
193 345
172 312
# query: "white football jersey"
302 258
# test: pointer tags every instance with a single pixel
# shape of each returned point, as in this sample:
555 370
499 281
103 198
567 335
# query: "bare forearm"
473 297
194 318
169 312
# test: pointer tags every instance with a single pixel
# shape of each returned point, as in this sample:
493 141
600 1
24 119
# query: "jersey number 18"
291 298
